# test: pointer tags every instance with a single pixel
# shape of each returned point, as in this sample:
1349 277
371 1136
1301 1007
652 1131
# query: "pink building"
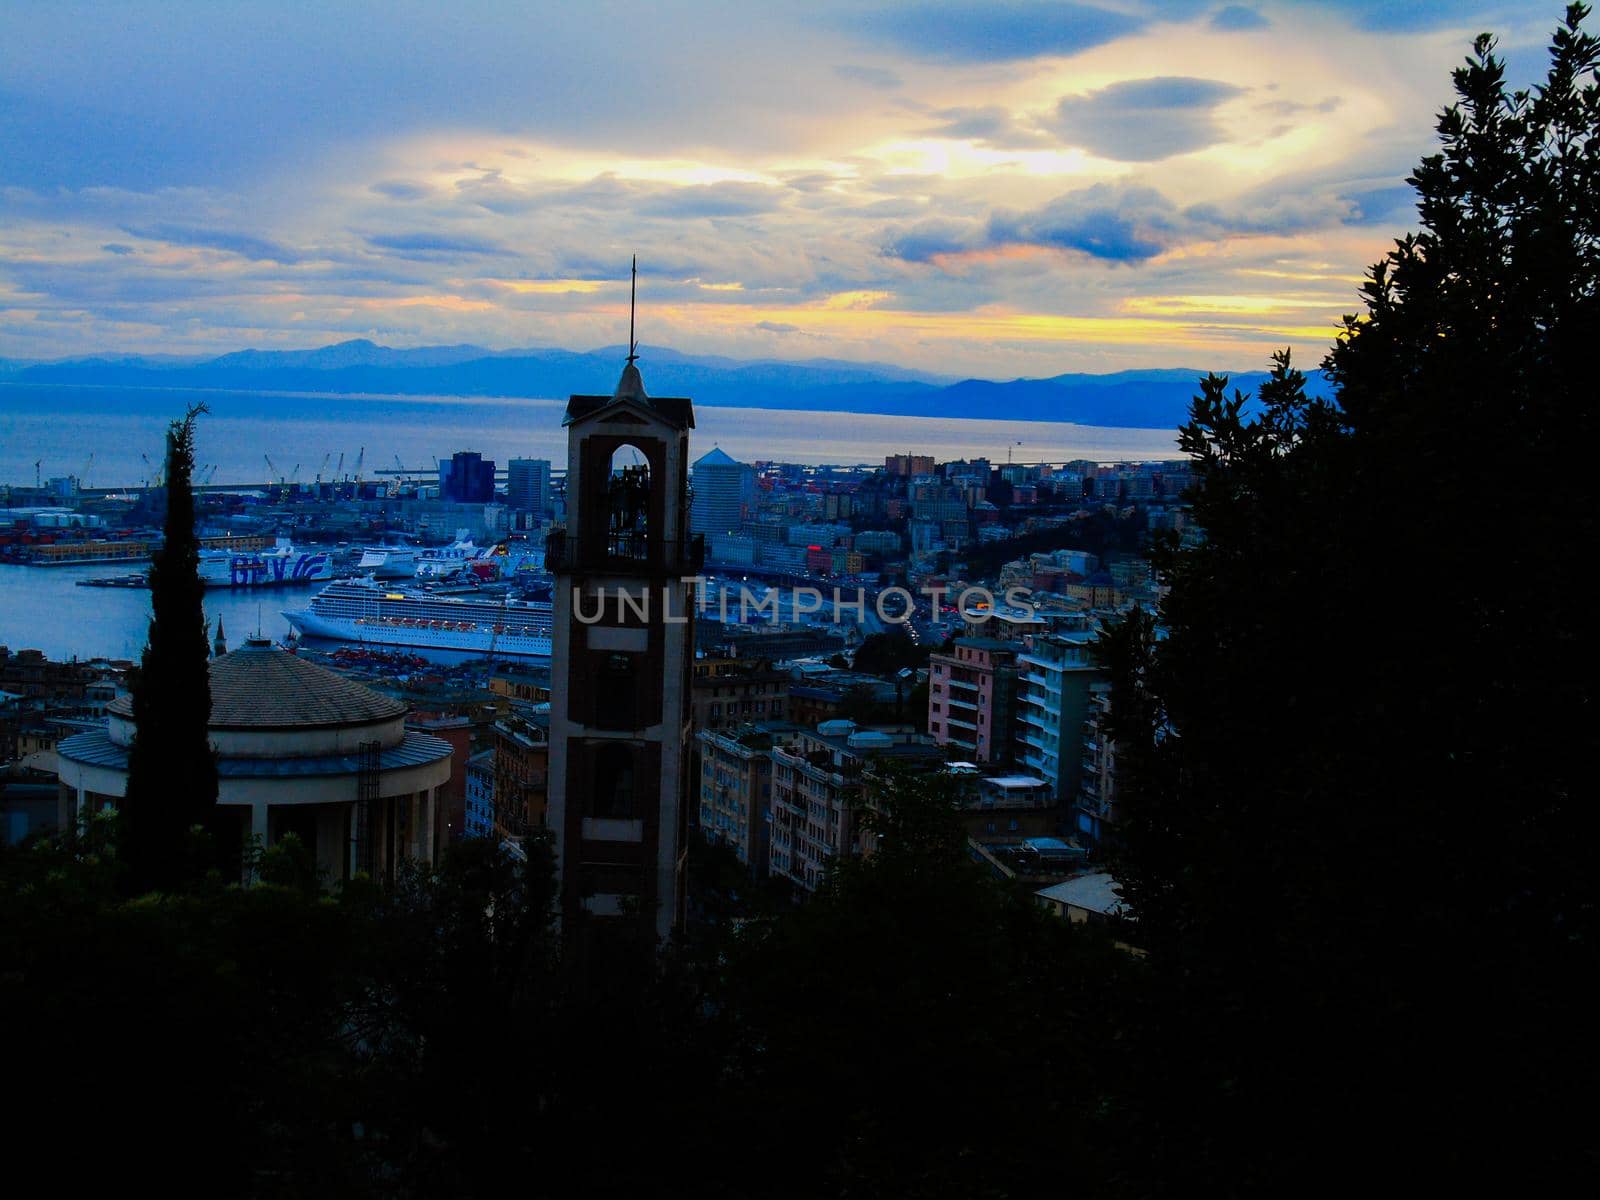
971 693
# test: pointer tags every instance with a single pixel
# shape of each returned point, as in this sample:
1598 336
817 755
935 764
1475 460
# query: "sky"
1000 189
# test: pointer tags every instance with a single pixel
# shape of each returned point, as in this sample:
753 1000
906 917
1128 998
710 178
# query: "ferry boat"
284 565
388 562
463 557
367 610
440 562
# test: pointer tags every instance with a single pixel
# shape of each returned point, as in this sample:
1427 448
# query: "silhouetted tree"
172 772
932 1032
886 653
1351 767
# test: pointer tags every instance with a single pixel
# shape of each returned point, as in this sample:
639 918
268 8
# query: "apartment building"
729 692
1054 677
1095 810
819 783
971 698
735 790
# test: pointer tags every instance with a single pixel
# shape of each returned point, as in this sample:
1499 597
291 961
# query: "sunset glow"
1196 188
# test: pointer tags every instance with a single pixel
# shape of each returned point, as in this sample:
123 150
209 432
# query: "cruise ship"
284 565
365 610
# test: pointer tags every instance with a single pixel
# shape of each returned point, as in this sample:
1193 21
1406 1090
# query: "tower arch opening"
629 503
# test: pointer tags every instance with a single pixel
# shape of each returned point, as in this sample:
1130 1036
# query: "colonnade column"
258 824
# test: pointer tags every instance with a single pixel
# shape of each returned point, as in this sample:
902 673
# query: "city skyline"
1021 190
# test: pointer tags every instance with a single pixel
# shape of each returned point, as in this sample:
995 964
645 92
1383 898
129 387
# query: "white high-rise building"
723 490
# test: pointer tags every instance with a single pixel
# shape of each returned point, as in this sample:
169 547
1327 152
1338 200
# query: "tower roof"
717 457
631 385
677 411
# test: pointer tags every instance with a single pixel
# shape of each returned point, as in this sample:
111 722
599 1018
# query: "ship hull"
294 569
379 633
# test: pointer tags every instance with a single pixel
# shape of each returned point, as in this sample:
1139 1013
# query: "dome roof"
262 686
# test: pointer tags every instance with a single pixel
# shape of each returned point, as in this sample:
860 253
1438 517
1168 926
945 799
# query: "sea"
111 436
60 427
43 608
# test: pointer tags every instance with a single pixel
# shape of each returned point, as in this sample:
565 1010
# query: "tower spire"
633 296
630 385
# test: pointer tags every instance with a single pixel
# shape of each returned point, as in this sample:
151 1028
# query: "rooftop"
1095 893
676 410
987 643
717 457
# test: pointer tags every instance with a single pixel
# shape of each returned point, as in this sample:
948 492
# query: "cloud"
927 240
777 327
1105 221
1289 108
1119 223
989 124
711 200
117 248
996 32
432 245
1236 18
1143 120
243 244
881 78
399 189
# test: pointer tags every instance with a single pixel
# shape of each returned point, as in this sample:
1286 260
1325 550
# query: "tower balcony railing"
683 555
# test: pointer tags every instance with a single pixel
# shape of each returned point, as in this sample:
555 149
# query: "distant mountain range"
1152 399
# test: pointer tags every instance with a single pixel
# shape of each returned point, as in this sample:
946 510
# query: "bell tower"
621 662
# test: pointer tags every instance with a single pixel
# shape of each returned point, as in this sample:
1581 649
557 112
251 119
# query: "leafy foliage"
1355 832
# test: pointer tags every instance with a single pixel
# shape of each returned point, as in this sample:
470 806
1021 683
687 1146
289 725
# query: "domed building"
300 750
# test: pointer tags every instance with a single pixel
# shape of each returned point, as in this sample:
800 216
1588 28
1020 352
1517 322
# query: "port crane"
283 480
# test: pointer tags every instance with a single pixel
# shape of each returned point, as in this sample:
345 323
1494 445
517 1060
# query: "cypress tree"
172 772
